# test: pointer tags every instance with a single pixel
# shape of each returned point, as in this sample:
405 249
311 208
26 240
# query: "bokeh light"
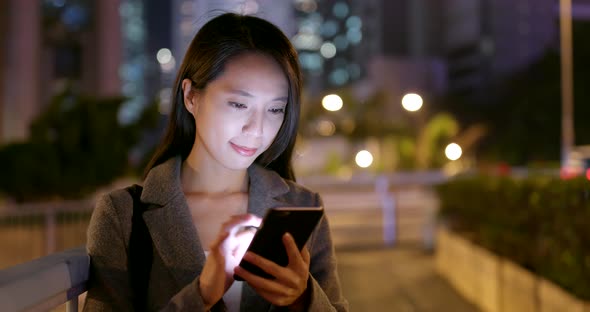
453 151
328 50
412 102
326 128
164 56
364 159
332 102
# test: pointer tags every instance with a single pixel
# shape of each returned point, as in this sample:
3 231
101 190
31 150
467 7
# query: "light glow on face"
239 114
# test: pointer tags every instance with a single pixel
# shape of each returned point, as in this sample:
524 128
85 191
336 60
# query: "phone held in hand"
268 240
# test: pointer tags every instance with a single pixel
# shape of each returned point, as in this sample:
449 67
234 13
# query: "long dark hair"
219 40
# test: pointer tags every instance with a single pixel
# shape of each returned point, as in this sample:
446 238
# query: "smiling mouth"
244 151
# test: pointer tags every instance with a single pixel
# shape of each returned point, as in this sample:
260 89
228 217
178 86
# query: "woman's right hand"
217 276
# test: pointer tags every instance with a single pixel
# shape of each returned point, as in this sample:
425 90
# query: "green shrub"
77 145
541 223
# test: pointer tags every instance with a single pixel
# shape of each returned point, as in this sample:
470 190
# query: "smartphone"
268 240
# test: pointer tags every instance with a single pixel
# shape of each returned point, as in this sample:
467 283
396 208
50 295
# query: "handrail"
45 283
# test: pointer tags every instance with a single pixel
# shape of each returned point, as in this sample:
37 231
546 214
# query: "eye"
280 110
237 105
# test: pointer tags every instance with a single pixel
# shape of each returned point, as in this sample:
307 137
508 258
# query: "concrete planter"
519 288
470 269
462 276
486 281
496 284
443 252
554 299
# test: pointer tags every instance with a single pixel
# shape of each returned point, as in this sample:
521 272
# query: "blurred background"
468 113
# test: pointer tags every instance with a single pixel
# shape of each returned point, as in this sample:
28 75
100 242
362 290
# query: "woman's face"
239 113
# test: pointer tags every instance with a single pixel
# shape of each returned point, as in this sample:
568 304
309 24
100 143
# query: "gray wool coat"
178 254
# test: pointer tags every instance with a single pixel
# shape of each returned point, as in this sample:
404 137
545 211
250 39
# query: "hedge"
75 146
541 223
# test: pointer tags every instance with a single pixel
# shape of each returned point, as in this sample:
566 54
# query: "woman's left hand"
290 283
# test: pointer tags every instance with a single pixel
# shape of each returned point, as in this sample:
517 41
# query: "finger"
295 258
234 219
241 221
256 220
263 284
306 256
276 299
214 247
283 274
273 291
266 265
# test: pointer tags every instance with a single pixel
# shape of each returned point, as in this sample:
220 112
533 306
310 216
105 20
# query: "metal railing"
45 283
30 231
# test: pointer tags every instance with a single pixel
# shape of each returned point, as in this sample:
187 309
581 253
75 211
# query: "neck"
212 180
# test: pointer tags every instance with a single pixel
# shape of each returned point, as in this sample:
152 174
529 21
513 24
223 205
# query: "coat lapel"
266 188
176 240
170 224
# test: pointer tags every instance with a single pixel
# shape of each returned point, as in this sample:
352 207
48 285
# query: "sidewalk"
396 279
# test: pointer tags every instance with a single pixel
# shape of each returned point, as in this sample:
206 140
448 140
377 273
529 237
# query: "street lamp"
567 83
364 159
332 102
453 151
412 102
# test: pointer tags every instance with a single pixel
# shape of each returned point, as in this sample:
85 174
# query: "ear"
189 96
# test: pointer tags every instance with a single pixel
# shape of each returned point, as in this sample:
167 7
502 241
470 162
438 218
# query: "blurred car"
577 163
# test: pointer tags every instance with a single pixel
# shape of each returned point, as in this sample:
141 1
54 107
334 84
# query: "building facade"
45 43
486 40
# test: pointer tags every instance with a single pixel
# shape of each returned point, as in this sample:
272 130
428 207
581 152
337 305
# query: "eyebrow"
244 93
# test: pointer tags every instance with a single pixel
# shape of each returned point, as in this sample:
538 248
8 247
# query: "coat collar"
170 224
162 185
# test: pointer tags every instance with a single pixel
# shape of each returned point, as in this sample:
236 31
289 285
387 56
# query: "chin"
239 165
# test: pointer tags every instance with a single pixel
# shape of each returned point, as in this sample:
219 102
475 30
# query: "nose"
254 125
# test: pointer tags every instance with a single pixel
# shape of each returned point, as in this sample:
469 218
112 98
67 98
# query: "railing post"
388 210
72 305
50 230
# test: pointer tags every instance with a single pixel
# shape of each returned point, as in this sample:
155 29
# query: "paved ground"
396 279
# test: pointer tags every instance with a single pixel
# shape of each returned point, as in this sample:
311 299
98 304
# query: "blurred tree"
525 117
433 138
358 119
406 144
76 145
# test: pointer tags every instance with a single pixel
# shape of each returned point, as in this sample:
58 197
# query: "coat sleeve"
109 288
326 294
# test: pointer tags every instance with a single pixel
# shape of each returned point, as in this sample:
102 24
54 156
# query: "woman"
225 160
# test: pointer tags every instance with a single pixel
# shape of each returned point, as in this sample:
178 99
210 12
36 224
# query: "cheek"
272 129
219 126
229 127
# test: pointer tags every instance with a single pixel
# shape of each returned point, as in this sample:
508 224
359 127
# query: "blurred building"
409 57
486 40
188 16
44 44
3 52
413 28
335 40
581 10
159 65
